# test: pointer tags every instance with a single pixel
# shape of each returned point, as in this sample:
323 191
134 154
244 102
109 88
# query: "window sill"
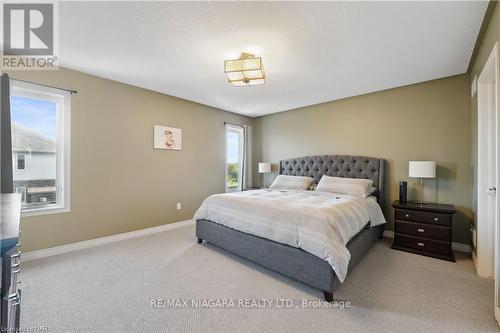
45 211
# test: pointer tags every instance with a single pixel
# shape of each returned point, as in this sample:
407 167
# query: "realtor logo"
28 29
29 36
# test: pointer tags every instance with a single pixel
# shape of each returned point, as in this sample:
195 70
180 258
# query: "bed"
292 261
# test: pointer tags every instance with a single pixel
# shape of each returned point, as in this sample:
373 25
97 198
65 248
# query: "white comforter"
320 223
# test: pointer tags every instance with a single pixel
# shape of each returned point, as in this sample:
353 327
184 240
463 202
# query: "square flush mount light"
248 70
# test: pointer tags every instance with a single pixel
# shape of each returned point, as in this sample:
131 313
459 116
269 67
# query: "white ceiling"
313 52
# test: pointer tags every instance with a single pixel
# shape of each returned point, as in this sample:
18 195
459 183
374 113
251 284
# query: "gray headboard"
338 166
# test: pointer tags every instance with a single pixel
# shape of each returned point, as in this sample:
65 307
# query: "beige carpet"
109 289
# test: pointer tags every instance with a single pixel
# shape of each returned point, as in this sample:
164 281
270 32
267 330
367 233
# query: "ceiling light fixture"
248 70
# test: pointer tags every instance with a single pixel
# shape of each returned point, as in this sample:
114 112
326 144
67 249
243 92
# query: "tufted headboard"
338 166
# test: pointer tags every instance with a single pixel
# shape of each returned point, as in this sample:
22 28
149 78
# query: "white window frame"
239 130
22 190
62 99
17 161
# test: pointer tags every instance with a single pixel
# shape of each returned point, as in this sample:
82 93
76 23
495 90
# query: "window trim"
17 161
24 193
63 142
239 130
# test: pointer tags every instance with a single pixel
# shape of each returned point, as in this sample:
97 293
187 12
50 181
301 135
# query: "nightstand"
424 229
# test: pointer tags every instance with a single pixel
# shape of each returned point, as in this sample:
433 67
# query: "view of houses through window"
34 133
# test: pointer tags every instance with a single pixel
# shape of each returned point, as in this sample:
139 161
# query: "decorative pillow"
291 182
353 186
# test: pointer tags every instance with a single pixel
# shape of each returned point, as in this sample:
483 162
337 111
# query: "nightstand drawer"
436 218
409 215
423 244
423 230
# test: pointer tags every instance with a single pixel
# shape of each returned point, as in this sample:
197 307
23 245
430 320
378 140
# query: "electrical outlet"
179 206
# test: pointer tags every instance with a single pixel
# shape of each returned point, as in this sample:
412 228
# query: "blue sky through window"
36 114
233 147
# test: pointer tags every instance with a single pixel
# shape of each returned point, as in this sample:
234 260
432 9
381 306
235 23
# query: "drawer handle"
436 219
407 215
420 230
420 244
17 255
15 265
17 271
12 296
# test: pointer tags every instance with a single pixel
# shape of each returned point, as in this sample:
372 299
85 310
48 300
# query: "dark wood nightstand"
424 229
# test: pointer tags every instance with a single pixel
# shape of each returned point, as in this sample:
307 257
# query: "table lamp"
264 168
422 169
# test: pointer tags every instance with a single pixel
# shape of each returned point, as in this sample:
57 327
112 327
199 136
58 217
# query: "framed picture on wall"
169 138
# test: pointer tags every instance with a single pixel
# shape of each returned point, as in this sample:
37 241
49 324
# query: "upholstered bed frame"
338 166
293 262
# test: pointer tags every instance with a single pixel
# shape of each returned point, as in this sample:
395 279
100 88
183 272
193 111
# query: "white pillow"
291 182
354 186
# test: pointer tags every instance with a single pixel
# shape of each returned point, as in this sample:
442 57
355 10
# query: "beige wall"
427 121
486 43
119 183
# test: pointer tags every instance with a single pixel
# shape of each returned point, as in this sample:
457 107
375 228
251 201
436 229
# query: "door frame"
488 203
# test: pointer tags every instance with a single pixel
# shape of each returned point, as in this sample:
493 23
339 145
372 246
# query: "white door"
488 228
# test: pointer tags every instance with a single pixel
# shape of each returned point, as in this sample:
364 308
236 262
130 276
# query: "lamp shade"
264 167
422 169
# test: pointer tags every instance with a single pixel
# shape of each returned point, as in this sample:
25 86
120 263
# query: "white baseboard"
101 241
460 247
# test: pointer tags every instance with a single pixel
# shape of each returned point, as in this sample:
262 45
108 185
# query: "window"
234 157
41 120
21 162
